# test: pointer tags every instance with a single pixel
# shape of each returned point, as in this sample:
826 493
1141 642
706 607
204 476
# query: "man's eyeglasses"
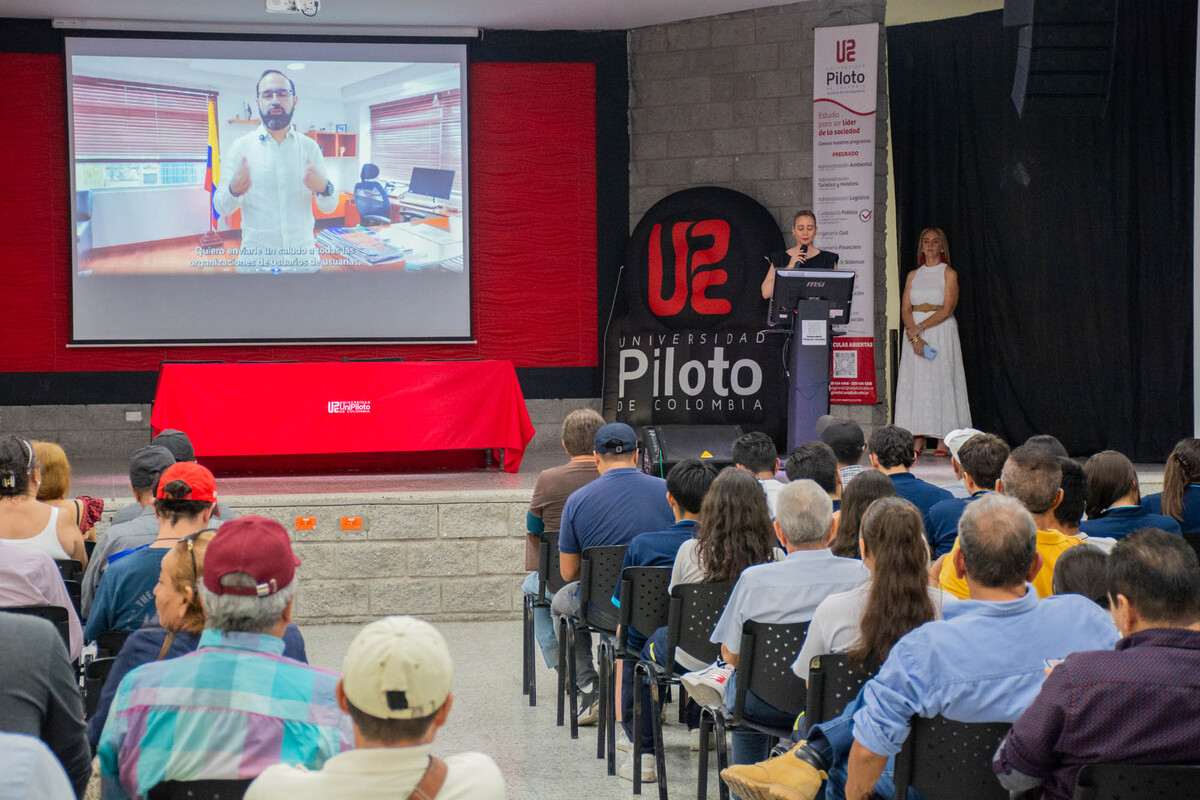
278 94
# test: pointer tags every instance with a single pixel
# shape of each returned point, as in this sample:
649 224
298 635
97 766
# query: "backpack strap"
431 782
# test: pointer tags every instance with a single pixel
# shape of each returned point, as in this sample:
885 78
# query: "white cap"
956 438
398 668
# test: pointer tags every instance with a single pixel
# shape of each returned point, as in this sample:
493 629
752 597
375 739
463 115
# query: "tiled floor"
491 715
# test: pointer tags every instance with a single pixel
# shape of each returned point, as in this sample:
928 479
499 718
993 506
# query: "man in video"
276 171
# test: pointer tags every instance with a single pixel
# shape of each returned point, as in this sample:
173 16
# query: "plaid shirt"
227 711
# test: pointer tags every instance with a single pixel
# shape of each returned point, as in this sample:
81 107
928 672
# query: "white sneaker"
649 771
623 743
695 743
707 686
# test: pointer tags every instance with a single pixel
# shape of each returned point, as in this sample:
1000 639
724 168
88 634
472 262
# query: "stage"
444 545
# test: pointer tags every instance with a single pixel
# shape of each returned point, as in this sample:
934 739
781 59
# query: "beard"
275 121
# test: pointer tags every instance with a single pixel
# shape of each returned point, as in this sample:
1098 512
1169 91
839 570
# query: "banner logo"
697 247
845 50
349 407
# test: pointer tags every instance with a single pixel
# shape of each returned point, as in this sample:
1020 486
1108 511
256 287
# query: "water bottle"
929 352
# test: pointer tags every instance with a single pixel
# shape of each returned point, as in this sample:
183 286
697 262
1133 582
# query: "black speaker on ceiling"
1065 52
664 446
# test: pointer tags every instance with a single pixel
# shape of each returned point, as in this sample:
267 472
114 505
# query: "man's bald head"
998 539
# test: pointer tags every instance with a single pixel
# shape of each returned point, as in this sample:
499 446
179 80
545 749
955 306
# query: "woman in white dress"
931 395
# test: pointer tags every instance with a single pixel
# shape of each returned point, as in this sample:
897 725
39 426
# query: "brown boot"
785 776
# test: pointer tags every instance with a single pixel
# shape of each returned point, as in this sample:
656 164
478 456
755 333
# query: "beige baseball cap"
398 668
957 438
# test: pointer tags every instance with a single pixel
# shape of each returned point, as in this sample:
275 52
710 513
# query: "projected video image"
206 166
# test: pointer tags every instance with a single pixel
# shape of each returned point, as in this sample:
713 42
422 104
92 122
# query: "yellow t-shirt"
1050 544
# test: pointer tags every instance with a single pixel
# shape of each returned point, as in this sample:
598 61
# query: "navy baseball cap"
615 437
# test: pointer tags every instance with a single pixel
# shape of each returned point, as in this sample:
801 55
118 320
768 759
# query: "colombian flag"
212 170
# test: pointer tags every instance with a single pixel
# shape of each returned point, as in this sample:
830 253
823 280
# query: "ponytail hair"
173 506
16 466
898 602
1183 467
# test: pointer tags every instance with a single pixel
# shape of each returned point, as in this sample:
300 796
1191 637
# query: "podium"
810 303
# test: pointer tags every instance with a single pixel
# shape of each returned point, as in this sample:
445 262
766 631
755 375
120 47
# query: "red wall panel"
532 155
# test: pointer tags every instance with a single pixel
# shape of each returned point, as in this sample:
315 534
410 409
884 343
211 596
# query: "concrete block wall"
441 555
727 101
84 431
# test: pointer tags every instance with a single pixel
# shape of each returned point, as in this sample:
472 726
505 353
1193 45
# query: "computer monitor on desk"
428 186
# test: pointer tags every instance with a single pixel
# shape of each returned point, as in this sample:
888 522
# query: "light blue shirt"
983 662
785 591
29 770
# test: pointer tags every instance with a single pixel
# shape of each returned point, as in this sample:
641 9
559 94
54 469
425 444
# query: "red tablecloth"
255 410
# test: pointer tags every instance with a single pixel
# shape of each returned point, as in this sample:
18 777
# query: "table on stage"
314 413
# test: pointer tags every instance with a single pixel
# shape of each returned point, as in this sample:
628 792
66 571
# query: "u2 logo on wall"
694 270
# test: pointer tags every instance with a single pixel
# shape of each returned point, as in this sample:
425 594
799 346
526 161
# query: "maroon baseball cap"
256 546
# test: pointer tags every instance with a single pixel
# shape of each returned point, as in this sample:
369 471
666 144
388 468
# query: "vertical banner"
845 70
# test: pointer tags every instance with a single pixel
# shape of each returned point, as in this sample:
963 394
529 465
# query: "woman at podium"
931 394
802 255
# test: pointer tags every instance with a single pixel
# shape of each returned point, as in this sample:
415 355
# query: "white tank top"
46 541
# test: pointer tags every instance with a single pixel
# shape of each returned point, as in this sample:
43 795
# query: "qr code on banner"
845 364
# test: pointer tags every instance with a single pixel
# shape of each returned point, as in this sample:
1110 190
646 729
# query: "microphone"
804 250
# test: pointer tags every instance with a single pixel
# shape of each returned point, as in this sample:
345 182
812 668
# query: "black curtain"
1072 236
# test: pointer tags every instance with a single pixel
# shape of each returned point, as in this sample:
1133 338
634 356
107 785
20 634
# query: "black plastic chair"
69 568
89 546
1137 781
56 615
95 673
200 790
549 581
645 607
765 658
833 681
110 643
75 592
599 568
371 199
946 760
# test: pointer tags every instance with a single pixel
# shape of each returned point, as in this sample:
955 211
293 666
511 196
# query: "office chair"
371 199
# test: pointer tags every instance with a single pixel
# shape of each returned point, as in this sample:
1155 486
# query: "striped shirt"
185 719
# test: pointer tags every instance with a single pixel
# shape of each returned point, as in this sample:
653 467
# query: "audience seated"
846 438
610 510
180 623
856 499
687 483
782 592
868 619
1069 513
1032 476
29 577
983 663
395 685
26 521
180 447
755 452
1139 703
29 770
1050 443
55 485
246 706
890 449
978 462
550 493
953 441
145 466
1114 500
816 462
1180 497
183 505
39 694
1082 571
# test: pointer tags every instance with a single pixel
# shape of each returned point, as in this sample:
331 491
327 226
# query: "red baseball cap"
201 482
256 546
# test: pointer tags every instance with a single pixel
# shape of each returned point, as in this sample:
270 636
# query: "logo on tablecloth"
349 406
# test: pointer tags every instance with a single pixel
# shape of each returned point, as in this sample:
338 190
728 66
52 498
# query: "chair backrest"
549 575
371 199
54 614
695 609
1137 781
69 568
110 643
200 790
765 658
599 569
75 592
89 547
946 760
833 681
95 673
644 600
